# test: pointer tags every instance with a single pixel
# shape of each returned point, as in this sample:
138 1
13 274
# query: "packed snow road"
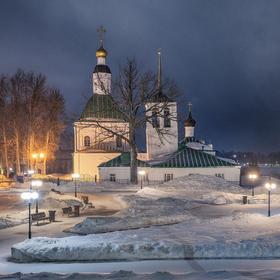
179 269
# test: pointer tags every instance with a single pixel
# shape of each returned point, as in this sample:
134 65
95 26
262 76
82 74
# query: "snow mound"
67 200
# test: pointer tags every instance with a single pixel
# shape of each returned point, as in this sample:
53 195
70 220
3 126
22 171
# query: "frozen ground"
128 275
199 217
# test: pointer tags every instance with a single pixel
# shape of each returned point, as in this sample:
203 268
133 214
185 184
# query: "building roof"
190 122
101 106
101 52
184 158
122 160
101 68
190 158
160 97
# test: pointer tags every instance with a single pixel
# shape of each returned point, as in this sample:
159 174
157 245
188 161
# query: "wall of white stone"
158 174
157 145
98 136
101 83
86 164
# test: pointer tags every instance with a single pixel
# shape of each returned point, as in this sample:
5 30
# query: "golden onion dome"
101 52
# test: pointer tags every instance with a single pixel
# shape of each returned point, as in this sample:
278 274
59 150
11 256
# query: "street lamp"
36 184
142 173
29 197
270 186
253 177
75 176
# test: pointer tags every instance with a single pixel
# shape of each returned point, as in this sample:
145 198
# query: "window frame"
87 141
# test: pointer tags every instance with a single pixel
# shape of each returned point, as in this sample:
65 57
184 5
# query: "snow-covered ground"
128 275
199 217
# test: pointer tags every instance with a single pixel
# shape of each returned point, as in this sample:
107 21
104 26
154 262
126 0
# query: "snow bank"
68 200
241 235
128 275
8 222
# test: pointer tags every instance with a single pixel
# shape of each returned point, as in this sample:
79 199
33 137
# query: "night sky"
224 56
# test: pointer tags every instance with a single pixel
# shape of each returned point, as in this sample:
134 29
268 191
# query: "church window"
168 177
155 120
112 177
86 141
118 142
167 122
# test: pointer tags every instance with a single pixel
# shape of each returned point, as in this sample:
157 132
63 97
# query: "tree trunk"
46 153
5 144
133 165
133 156
17 153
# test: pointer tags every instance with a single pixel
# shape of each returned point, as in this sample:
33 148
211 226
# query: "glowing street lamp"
252 178
142 173
36 184
29 197
75 176
270 186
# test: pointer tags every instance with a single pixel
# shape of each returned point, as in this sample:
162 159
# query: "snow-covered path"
172 266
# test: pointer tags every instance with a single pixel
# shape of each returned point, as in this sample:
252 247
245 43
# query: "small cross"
101 31
190 106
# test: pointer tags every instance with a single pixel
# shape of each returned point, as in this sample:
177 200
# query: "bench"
67 210
41 216
87 204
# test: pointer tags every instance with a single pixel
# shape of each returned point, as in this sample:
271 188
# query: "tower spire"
159 70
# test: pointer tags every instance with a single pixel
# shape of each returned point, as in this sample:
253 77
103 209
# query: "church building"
97 156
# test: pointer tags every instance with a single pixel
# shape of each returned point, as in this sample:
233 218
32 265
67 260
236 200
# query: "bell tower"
162 127
101 77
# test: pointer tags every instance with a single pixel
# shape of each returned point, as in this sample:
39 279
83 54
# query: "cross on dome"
190 106
101 31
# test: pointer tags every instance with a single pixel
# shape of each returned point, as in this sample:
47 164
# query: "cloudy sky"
224 56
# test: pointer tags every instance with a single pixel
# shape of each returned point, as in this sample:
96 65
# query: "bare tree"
3 121
31 119
54 124
136 96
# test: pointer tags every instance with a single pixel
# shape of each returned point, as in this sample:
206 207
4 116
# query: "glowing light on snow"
36 183
29 195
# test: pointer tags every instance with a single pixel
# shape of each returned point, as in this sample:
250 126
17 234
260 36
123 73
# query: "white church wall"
101 83
157 145
98 136
158 174
86 164
189 131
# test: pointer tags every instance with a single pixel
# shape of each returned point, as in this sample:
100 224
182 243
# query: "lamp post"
75 176
253 177
270 186
29 197
37 184
142 173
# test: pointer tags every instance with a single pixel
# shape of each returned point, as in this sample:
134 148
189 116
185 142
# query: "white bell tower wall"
158 145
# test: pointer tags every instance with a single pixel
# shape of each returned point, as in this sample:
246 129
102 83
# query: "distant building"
109 159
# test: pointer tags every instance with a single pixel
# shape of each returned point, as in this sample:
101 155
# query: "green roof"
190 158
101 106
184 158
122 160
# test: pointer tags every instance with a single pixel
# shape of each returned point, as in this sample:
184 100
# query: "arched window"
167 122
86 141
155 120
118 142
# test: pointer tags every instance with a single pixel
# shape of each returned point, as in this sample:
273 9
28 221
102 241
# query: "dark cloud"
224 55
